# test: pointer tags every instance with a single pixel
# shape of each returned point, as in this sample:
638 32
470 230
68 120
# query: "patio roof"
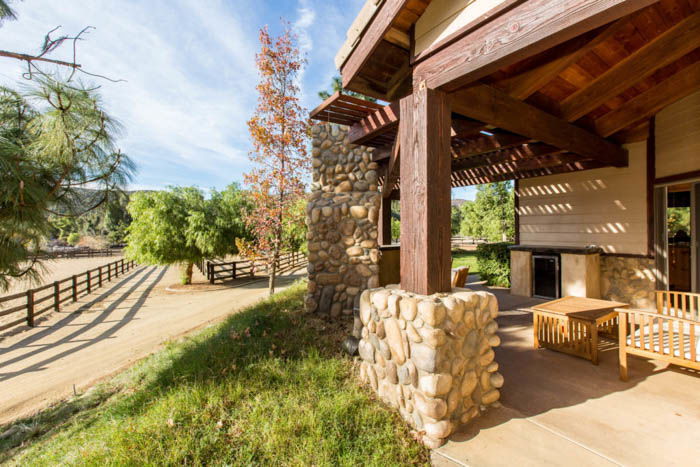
607 78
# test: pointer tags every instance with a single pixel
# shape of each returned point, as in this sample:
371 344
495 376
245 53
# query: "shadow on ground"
116 295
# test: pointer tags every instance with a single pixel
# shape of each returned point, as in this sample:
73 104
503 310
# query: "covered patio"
591 108
558 409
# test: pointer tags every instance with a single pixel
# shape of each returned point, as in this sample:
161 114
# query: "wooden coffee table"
572 324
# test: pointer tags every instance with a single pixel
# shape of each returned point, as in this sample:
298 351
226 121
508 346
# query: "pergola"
527 89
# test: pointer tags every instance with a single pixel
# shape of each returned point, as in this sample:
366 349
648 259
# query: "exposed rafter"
650 102
668 47
529 28
492 106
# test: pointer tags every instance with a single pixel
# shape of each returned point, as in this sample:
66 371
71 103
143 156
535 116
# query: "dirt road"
107 331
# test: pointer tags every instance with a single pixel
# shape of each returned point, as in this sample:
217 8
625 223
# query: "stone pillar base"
431 357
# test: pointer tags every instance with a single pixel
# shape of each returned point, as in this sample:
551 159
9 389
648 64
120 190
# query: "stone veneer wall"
629 280
431 357
342 216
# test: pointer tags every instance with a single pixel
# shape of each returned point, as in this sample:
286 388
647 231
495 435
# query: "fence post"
30 308
122 264
99 276
109 272
56 296
234 272
89 284
75 288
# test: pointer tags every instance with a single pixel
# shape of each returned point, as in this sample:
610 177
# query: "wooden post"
89 284
99 276
30 308
122 264
109 272
234 270
56 296
75 288
385 222
425 191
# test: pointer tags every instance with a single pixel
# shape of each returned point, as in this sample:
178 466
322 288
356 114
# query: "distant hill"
458 202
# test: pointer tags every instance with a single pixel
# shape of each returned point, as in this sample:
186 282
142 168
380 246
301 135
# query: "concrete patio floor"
562 410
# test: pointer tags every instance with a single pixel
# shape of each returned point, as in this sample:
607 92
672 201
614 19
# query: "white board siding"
444 17
678 137
602 207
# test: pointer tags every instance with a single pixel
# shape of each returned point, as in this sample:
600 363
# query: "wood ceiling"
609 82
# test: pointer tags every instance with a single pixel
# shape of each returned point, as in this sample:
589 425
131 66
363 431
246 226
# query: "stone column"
431 357
342 216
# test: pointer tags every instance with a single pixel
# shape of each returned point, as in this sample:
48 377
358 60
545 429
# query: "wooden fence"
79 253
58 292
222 271
459 242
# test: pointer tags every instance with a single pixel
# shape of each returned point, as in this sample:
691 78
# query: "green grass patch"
465 258
267 386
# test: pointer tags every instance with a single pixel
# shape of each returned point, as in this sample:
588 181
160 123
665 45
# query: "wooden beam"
523 85
651 101
425 191
466 127
520 175
384 237
490 105
663 50
377 29
525 151
516 208
533 163
375 124
651 175
392 168
485 143
386 120
529 28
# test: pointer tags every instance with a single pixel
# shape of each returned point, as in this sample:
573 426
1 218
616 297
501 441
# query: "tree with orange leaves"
279 131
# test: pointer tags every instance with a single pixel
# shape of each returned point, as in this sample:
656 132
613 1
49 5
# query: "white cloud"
190 74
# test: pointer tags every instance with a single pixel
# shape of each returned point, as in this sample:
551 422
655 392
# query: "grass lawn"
267 386
465 258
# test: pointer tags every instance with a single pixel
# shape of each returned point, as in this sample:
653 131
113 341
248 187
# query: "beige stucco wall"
444 17
678 137
602 207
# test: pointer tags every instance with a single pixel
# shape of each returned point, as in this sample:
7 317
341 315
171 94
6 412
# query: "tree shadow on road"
28 347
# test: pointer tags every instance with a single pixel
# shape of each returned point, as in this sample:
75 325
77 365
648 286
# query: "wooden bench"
670 333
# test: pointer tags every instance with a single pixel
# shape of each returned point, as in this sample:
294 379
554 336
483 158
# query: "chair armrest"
624 314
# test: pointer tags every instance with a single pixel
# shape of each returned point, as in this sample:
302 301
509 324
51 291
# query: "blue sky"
190 72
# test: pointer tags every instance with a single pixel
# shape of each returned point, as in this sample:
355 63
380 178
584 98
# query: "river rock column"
342 215
431 357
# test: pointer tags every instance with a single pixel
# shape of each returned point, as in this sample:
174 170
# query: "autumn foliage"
279 132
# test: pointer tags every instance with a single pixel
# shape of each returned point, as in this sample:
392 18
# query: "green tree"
55 139
73 238
337 86
180 226
456 219
492 213
5 11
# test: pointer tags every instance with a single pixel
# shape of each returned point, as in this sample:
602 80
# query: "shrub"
493 261
73 238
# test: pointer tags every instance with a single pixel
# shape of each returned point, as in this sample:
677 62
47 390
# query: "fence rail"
78 253
75 287
458 242
222 271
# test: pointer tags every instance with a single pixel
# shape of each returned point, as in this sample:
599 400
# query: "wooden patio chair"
670 333
459 276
